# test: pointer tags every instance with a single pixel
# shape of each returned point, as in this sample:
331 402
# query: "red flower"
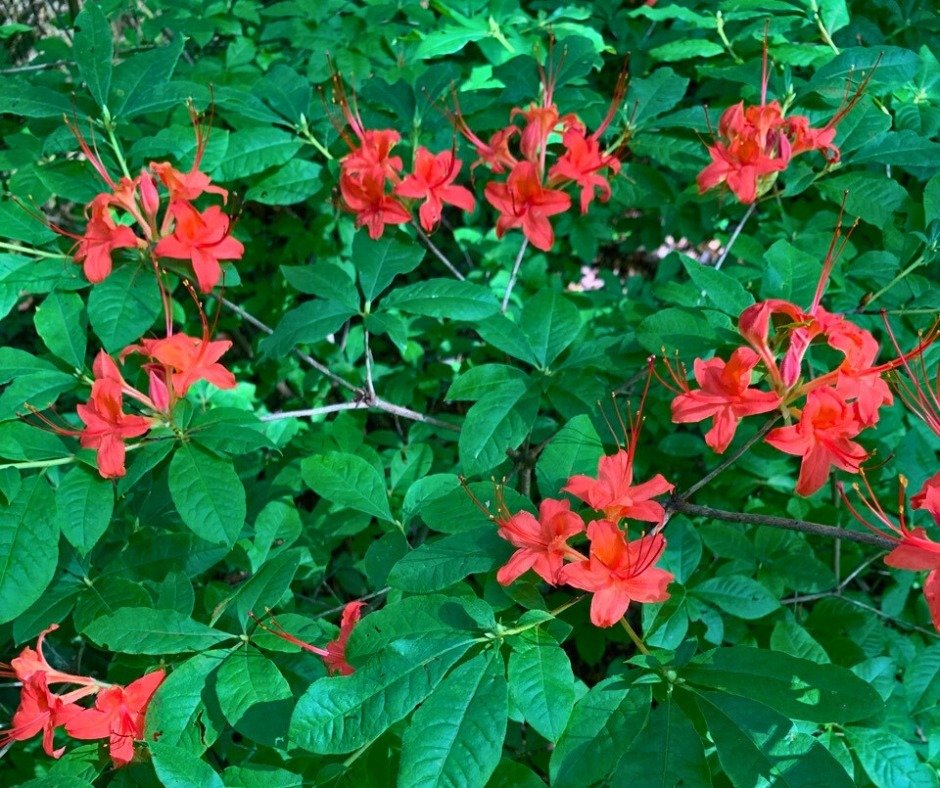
542 542
523 202
371 158
725 396
335 657
118 715
106 424
929 497
432 181
618 572
102 236
41 710
366 197
185 186
203 238
187 359
581 162
823 437
31 662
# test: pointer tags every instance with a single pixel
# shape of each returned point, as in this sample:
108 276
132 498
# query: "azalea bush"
474 393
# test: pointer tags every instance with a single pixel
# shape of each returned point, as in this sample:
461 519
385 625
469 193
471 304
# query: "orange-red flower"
185 359
618 572
335 657
725 395
41 710
202 238
524 202
102 236
118 716
433 181
823 438
542 542
582 163
365 196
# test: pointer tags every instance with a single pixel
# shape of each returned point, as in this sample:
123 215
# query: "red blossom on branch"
542 542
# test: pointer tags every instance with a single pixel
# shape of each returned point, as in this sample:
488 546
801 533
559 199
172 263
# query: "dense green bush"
294 350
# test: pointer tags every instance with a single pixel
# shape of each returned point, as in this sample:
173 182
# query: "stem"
35 252
678 505
308 137
438 253
734 236
370 385
637 641
913 266
40 463
732 458
112 141
514 274
720 28
413 415
311 412
823 30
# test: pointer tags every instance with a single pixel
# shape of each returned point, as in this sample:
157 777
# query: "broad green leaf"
667 752
498 423
550 323
903 148
574 449
311 322
294 182
795 687
673 329
738 595
177 767
286 91
19 97
603 725
725 292
141 630
325 279
686 48
208 494
790 638
542 685
138 78
84 502
256 149
19 225
477 382
252 694
178 712
456 737
348 480
452 38
29 547
448 298
265 588
442 562
379 262
896 66
60 321
123 306
756 746
341 714
656 94
503 334
890 760
93 50
37 391
932 200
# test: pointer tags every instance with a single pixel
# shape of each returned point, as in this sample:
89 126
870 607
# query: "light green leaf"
255 149
178 712
542 685
348 480
497 423
177 767
60 321
84 502
144 630
379 262
574 449
93 50
440 563
252 694
208 494
738 595
448 298
294 182
311 322
123 306
550 323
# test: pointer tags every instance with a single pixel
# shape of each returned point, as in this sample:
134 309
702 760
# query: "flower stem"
514 274
34 252
637 640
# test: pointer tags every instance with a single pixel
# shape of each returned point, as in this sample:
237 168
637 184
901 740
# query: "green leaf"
286 91
448 298
686 48
456 737
478 382
452 38
667 752
550 323
84 502
738 595
93 50
254 150
252 694
60 321
123 306
18 225
294 182
656 94
889 760
144 630
208 494
796 688
263 589
603 725
38 390
138 80
325 279
503 334
496 424
29 547
574 449
379 262
932 200
542 685
338 715
673 328
348 480
896 67
757 746
177 767
178 712
442 562
902 148
725 292
19 97
311 322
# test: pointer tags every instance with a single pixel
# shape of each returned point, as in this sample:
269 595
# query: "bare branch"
439 254
514 274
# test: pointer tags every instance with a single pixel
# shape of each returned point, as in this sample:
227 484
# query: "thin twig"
734 236
678 505
413 415
514 274
370 385
439 254
732 458
308 413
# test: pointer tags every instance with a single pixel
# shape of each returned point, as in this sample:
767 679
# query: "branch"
311 412
439 254
735 234
831 531
514 274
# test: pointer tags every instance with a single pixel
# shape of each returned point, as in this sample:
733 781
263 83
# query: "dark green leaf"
208 494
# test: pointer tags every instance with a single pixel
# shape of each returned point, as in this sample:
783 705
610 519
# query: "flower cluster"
117 716
831 408
617 569
174 361
755 143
